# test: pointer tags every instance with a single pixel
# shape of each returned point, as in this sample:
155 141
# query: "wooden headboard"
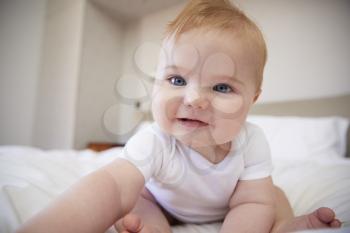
332 106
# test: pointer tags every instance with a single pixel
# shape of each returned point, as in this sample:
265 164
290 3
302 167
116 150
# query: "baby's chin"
197 140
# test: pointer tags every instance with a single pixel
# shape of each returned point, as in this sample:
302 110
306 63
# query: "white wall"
100 68
309 49
57 93
129 86
21 28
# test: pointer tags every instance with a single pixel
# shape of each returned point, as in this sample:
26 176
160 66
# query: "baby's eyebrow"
169 67
174 67
181 69
228 78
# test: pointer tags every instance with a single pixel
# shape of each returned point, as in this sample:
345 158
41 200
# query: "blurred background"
80 71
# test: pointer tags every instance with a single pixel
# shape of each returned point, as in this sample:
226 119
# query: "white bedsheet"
30 178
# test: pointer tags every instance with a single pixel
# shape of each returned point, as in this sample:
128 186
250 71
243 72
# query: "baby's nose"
195 97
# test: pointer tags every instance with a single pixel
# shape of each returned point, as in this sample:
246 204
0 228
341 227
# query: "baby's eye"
177 81
223 88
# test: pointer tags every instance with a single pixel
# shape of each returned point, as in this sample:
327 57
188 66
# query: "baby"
200 161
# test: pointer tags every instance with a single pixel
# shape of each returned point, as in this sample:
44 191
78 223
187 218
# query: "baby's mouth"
192 123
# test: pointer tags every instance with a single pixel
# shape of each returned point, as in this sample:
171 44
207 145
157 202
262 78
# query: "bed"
313 172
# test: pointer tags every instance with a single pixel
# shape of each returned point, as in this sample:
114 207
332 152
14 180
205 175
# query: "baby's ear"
257 94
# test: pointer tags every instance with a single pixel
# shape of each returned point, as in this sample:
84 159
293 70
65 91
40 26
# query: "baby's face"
205 85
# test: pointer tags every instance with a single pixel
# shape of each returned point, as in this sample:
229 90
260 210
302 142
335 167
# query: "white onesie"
187 185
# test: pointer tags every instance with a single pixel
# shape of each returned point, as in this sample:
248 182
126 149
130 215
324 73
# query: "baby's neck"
215 153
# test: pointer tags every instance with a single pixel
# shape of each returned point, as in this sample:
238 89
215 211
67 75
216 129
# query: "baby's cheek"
229 116
165 103
228 108
166 96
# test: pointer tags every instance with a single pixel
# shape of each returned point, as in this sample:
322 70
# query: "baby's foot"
321 218
132 223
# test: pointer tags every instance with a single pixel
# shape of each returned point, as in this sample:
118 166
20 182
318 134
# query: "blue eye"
177 81
222 88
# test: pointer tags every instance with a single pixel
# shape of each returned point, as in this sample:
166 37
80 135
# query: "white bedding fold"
30 178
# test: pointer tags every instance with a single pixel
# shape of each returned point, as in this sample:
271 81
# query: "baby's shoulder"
252 130
250 136
150 135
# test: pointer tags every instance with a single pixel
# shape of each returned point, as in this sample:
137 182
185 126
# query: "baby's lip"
199 122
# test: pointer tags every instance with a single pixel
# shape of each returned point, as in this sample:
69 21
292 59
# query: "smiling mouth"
192 123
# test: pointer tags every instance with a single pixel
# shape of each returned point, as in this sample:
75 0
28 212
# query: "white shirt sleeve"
256 154
145 151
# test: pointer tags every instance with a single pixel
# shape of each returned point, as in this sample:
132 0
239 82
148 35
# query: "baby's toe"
132 223
324 214
335 223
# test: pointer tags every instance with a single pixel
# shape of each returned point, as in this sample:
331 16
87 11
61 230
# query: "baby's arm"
94 203
251 207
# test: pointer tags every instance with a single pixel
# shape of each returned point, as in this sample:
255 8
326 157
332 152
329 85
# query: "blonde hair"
222 15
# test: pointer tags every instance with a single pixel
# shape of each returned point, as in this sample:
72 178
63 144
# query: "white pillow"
302 137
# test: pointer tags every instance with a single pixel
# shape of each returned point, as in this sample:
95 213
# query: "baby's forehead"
204 43
208 37
197 48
